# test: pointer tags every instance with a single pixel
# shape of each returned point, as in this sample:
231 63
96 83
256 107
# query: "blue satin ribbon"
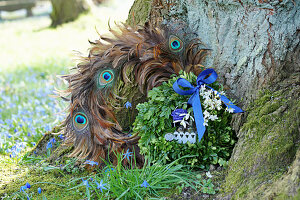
207 76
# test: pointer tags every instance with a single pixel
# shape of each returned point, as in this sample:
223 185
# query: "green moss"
60 154
267 144
139 12
51 182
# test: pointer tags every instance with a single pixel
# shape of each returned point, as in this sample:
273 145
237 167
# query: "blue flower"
86 183
47 128
23 188
49 145
52 140
39 190
90 162
12 155
127 154
27 185
127 105
101 185
61 137
109 169
144 184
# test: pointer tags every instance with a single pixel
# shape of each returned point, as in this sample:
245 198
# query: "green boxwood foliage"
154 121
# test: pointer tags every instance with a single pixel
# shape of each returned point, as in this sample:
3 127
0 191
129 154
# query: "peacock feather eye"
105 77
175 44
80 121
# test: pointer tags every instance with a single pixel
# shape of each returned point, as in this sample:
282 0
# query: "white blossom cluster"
211 103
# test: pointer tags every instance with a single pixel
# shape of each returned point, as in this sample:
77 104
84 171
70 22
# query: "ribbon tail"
199 120
229 104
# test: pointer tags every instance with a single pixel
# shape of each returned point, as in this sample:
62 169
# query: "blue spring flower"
52 140
86 183
109 169
144 184
101 185
47 128
28 185
90 162
23 188
39 190
127 105
127 154
61 137
49 145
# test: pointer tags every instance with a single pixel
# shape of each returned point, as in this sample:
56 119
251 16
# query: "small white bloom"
208 174
184 123
222 93
202 90
230 110
205 123
206 114
187 116
213 117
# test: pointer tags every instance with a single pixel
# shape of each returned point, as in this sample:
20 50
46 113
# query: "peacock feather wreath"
151 54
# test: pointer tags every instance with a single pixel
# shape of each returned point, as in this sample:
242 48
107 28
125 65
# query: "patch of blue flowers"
27 110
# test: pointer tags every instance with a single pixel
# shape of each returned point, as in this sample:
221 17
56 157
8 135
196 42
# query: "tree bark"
66 10
256 53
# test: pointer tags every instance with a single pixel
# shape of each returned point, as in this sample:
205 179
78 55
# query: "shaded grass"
119 182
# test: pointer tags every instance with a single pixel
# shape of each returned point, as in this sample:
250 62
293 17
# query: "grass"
31 56
113 182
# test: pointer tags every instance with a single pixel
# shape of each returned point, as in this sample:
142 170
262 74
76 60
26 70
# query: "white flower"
213 117
222 93
205 123
187 116
230 110
184 123
202 90
206 114
218 104
208 174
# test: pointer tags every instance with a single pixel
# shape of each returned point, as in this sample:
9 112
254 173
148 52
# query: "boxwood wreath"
154 121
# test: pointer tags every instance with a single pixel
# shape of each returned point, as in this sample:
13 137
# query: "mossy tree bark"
256 52
66 10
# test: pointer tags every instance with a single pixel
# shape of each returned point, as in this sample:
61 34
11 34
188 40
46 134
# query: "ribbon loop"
207 76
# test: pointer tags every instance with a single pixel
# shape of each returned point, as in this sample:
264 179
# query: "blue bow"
208 76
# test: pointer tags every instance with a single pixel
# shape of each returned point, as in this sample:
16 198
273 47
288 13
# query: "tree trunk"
66 10
255 50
